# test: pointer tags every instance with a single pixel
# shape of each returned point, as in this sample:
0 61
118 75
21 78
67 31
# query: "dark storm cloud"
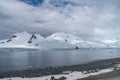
93 18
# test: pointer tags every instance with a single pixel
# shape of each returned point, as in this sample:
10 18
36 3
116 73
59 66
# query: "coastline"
88 68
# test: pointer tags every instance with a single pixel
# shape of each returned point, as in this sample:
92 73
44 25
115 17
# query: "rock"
66 40
2 42
13 36
8 40
62 78
76 47
36 44
32 37
52 78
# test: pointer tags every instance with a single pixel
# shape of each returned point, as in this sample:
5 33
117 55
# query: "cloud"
96 18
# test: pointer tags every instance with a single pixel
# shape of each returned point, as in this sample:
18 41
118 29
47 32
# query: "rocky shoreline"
88 67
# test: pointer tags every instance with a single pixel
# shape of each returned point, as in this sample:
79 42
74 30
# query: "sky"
85 18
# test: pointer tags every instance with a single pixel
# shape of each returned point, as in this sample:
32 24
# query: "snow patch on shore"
71 76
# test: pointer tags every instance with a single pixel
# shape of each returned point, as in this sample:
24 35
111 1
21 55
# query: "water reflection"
23 59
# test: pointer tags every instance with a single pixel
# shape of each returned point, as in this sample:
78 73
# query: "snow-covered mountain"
27 40
21 40
59 40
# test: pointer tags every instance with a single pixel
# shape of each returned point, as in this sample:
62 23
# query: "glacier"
59 40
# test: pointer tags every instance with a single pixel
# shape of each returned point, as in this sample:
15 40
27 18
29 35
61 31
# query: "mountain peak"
56 40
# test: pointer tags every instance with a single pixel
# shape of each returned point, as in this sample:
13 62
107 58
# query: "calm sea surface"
19 59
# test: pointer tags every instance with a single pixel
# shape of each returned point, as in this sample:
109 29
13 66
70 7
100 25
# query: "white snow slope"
59 40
